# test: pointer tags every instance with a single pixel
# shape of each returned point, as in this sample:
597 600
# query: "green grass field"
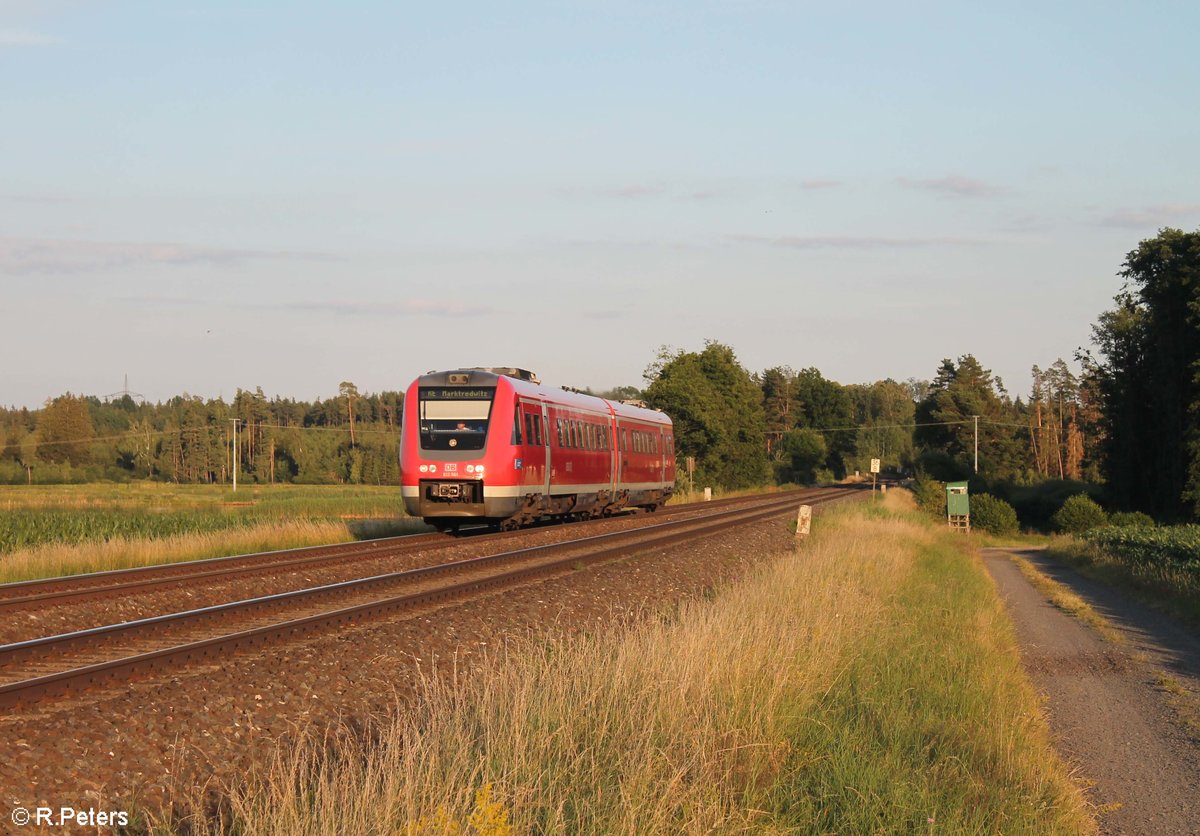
53 530
75 514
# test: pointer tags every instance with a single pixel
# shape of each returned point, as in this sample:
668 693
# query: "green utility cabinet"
958 506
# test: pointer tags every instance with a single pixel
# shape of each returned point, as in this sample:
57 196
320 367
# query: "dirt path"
1110 714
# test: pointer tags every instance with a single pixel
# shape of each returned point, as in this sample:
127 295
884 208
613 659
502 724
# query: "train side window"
558 426
516 433
591 432
537 430
624 440
528 429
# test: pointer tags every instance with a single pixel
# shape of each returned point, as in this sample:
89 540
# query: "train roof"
527 383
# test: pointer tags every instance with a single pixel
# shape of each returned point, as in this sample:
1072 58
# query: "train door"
661 449
536 467
622 454
543 429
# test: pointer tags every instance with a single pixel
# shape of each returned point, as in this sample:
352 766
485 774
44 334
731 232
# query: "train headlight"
479 469
470 468
424 468
433 468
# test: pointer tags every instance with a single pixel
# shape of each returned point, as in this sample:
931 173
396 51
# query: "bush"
1035 504
1131 519
931 496
1078 514
993 515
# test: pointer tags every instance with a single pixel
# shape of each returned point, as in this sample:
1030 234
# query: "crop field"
1162 564
66 529
32 516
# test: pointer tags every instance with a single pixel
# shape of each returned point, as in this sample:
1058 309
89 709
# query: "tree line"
1126 425
743 428
350 438
1125 428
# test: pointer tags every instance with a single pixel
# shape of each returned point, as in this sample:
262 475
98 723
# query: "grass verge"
868 683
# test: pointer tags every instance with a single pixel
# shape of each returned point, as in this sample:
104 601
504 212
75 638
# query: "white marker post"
803 520
874 473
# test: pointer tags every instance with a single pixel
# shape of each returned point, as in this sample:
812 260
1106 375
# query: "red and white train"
495 445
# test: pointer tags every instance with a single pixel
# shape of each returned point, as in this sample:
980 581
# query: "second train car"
495 445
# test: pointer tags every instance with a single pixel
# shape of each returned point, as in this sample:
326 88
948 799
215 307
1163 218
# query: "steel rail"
91 637
84 587
603 546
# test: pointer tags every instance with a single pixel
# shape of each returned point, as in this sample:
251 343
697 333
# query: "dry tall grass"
768 708
54 559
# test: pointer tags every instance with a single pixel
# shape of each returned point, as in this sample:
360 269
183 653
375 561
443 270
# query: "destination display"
457 393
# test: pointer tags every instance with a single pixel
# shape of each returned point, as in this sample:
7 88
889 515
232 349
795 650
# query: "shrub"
931 496
1131 519
1078 514
1035 504
993 515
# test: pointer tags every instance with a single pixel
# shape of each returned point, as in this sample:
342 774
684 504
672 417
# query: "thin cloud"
22 37
410 307
638 191
820 184
24 256
407 308
953 185
1163 214
603 315
12 197
850 242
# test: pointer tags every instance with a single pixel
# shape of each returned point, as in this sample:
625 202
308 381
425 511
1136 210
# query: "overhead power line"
194 430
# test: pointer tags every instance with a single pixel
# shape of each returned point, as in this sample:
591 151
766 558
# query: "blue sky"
288 195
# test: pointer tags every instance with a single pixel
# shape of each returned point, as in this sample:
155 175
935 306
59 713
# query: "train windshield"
454 417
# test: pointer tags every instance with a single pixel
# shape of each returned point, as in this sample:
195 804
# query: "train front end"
455 447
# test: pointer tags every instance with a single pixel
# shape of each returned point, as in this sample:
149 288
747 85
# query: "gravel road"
1112 718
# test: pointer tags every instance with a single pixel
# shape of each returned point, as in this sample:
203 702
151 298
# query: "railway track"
98 585
71 662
